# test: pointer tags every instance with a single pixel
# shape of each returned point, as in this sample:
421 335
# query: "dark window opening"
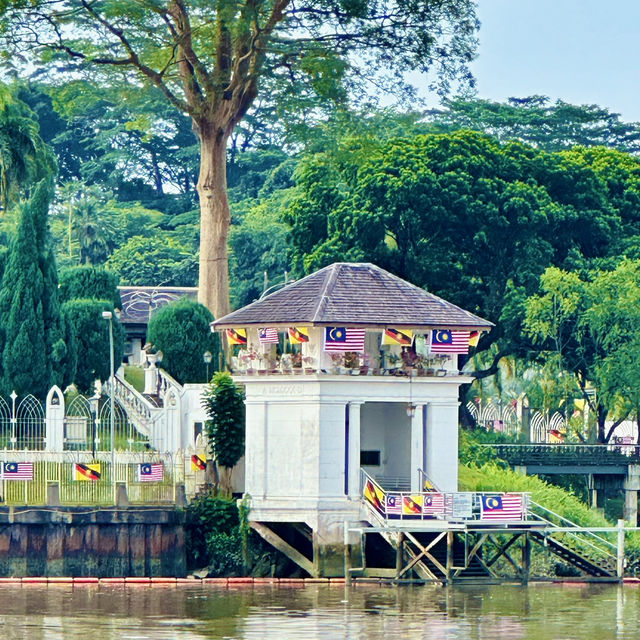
370 458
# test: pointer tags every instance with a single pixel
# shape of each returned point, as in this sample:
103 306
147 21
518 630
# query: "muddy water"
540 612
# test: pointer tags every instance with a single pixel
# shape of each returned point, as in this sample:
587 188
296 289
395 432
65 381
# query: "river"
541 611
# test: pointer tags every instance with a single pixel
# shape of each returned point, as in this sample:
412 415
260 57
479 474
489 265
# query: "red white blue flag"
449 341
343 339
508 506
18 471
150 472
268 335
394 504
433 504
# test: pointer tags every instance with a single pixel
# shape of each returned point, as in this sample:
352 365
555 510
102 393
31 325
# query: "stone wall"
88 541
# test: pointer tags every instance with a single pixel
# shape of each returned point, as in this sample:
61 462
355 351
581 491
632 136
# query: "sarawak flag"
412 505
298 335
150 472
474 338
343 339
508 506
374 496
402 337
86 472
449 341
198 462
268 335
18 471
237 336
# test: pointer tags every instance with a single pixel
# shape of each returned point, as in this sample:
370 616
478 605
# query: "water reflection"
541 611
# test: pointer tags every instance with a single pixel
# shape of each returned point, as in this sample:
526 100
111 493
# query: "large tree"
210 60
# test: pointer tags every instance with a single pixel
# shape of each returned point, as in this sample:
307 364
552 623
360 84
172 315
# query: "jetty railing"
493 506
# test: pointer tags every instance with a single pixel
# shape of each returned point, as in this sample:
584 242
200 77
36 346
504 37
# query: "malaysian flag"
508 506
394 504
18 471
268 336
343 339
433 504
150 472
449 341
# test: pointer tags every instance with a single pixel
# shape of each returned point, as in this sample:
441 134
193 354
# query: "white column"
354 450
442 445
54 439
256 449
417 447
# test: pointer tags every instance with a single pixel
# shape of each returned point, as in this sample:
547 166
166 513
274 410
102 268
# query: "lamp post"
107 315
206 356
94 404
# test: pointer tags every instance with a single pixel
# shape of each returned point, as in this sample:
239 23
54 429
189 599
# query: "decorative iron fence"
85 480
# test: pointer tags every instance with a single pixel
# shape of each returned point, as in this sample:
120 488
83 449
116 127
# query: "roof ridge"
329 283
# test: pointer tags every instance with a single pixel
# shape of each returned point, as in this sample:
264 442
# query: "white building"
311 429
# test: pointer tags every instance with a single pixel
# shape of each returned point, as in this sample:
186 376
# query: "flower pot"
309 370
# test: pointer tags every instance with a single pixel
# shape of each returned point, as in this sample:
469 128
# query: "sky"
580 51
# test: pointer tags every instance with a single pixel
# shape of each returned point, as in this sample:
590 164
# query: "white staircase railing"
142 413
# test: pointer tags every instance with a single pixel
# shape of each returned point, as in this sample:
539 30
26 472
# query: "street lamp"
94 404
206 356
107 315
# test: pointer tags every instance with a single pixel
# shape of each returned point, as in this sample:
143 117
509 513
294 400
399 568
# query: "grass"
134 375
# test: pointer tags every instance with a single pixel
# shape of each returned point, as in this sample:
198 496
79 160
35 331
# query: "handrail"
574 535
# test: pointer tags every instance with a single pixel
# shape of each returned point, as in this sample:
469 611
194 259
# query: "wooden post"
347 555
450 539
526 558
399 553
620 558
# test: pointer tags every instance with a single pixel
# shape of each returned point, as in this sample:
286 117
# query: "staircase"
590 553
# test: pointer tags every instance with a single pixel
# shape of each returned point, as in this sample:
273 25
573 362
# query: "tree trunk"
215 218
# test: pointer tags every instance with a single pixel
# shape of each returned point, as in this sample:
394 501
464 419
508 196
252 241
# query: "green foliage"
77 282
588 326
38 345
223 403
181 331
160 260
207 516
92 340
541 123
472 453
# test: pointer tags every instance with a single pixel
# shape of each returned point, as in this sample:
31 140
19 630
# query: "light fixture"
207 357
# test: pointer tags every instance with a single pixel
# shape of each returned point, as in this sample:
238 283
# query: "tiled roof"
139 303
352 294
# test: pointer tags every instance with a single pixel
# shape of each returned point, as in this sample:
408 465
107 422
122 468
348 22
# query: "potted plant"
337 360
309 364
393 359
297 363
352 362
286 363
247 360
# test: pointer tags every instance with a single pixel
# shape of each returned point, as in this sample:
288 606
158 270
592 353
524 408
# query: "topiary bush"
181 331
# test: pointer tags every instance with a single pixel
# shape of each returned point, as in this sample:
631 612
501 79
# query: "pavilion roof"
353 295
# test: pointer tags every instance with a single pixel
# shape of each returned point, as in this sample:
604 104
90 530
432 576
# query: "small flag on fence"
86 472
18 471
150 472
394 504
508 506
433 504
268 335
412 505
374 496
198 462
